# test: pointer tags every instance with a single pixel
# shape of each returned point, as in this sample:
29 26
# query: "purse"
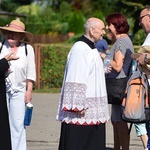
116 90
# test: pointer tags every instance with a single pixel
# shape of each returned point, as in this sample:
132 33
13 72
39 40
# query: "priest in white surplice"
83 107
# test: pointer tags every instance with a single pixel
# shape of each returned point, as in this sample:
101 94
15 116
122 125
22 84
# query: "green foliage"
41 21
64 28
4 21
47 90
131 10
69 16
65 11
139 37
53 60
44 28
99 14
87 8
76 23
53 63
32 10
8 6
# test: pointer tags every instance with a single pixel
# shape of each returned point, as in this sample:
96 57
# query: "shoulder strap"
26 52
2 46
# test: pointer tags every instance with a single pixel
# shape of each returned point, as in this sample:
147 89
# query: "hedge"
53 60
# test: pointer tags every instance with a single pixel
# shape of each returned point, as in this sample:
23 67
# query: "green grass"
51 90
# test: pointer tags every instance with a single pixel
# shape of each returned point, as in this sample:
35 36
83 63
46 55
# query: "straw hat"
143 49
17 26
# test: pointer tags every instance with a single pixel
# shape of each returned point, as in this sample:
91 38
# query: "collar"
87 41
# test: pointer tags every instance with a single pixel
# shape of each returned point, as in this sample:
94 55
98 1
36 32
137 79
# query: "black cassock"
5 139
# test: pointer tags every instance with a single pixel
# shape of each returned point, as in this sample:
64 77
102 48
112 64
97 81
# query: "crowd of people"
83 106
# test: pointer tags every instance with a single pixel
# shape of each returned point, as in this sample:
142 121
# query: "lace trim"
74 98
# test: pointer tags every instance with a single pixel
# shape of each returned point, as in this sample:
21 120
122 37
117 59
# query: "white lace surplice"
83 88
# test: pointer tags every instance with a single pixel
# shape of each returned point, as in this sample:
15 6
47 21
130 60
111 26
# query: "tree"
132 10
22 2
76 19
8 5
56 15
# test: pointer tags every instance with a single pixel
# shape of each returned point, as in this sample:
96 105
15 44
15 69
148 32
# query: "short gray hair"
147 7
91 22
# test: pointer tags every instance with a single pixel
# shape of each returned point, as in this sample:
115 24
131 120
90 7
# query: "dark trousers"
80 137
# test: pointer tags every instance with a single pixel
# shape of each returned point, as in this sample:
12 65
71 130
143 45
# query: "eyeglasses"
140 18
12 33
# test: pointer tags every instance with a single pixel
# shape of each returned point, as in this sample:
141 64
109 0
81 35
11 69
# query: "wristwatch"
145 58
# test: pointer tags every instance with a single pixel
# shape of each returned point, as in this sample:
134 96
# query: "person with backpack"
144 58
22 76
135 105
120 62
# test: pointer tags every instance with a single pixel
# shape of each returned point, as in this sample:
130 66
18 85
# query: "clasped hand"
10 57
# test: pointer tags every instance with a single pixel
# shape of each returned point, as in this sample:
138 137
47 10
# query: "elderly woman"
120 62
20 81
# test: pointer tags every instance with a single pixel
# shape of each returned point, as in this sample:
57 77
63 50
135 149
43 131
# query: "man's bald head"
94 29
93 22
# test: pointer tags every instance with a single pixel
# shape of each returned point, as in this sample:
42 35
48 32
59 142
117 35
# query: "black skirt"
79 137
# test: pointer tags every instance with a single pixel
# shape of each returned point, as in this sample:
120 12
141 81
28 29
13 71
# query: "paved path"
43 133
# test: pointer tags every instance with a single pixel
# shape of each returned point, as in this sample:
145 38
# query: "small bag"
116 90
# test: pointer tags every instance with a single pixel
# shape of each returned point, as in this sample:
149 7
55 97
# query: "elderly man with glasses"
143 130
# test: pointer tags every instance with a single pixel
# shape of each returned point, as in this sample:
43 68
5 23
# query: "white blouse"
21 69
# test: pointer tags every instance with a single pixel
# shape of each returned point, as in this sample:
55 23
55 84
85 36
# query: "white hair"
91 22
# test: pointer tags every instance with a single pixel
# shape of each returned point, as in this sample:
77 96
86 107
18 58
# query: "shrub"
139 37
53 60
76 23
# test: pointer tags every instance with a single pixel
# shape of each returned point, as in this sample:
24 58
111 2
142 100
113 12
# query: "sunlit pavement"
43 133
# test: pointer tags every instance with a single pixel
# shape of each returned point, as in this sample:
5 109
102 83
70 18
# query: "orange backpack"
135 105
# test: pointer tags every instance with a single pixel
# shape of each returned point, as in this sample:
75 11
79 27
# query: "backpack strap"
26 52
2 46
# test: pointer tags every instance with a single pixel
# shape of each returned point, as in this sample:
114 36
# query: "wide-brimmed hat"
17 26
144 49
